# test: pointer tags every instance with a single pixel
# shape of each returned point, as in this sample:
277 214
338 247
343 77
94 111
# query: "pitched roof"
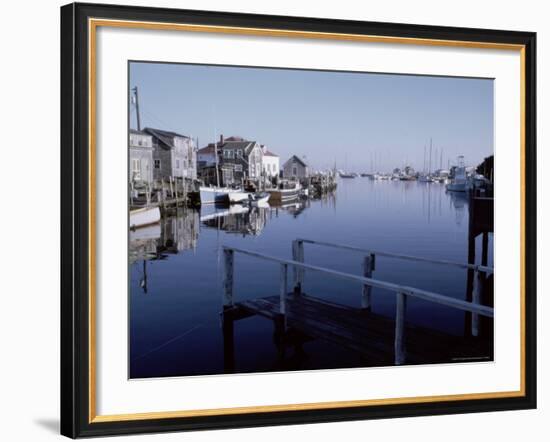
297 159
206 150
138 132
267 153
246 146
164 136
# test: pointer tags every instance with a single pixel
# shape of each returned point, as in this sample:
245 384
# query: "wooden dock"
359 330
378 339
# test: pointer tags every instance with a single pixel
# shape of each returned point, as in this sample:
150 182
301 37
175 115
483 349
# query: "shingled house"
141 157
174 155
295 168
238 159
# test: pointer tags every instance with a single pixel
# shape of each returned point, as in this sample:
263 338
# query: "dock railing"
368 265
401 292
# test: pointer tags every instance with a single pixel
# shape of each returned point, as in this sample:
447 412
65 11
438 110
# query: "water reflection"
237 219
177 263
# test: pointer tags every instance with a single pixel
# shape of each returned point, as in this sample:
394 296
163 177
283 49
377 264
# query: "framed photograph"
274 220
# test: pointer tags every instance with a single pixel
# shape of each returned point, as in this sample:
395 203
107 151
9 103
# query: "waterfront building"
206 156
238 160
174 155
270 163
296 168
141 157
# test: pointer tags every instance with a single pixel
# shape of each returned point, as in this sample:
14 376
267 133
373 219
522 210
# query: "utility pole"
135 91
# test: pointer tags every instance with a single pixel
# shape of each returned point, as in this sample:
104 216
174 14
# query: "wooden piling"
368 267
228 341
298 255
400 311
228 277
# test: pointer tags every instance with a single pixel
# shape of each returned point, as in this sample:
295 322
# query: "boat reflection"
459 202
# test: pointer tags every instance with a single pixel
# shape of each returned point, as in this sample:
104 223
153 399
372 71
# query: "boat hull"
283 195
145 216
238 197
221 195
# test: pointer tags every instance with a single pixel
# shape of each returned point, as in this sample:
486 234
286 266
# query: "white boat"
238 196
144 216
285 192
425 179
459 183
224 195
259 199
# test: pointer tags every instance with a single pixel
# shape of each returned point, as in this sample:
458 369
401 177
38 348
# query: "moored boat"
347 175
144 216
221 195
459 182
258 199
287 191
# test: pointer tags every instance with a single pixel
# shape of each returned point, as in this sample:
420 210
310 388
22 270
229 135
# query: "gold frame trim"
93 24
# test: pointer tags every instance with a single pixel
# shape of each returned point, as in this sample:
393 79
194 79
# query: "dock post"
401 307
228 341
368 267
476 299
298 255
228 277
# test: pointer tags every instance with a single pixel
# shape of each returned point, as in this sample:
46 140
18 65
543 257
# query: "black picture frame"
75 220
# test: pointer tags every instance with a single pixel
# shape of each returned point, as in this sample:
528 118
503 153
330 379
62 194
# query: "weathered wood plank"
371 335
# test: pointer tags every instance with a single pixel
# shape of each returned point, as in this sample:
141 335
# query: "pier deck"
370 335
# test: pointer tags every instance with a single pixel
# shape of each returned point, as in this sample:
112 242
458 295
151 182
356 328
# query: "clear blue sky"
325 116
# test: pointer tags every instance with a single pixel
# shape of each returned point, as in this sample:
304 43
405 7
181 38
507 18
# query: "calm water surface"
176 295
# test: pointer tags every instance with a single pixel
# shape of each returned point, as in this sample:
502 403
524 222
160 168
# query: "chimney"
221 139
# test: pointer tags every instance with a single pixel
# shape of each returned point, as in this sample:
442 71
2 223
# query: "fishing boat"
459 182
220 195
238 196
144 216
287 191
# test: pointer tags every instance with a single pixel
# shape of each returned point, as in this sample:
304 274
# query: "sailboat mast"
424 161
430 166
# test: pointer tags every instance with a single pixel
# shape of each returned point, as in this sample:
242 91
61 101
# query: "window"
157 164
294 171
177 164
239 153
135 169
238 167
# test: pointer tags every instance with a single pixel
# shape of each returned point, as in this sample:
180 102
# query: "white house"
270 163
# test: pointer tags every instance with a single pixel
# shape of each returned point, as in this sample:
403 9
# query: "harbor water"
176 271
